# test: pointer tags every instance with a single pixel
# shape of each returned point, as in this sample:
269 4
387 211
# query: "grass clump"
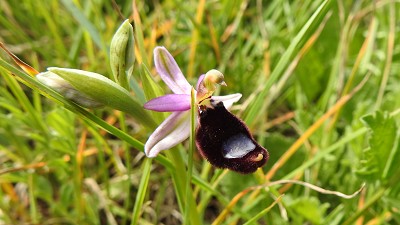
320 91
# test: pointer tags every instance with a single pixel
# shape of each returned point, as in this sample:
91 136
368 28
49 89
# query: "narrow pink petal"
171 132
199 81
169 103
169 71
228 100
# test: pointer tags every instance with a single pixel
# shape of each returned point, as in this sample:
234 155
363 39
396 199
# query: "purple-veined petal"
228 100
172 131
169 103
169 71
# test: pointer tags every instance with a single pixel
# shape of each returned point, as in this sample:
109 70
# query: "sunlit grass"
310 73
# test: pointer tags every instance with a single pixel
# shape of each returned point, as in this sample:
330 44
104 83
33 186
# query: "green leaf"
378 162
259 102
151 90
84 22
310 209
141 194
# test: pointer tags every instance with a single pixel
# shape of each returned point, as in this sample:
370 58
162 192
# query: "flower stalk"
192 146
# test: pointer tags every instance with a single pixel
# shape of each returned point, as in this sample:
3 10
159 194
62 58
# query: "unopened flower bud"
122 54
64 88
104 91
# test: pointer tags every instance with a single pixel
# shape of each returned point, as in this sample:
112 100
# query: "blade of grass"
142 58
367 44
141 193
252 113
179 178
389 54
221 217
263 212
195 38
32 200
325 152
84 114
128 163
52 26
25 103
232 28
78 177
82 19
297 144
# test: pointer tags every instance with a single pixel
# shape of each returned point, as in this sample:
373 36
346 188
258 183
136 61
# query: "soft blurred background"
320 85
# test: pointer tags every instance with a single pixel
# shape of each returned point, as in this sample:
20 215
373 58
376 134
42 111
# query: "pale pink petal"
169 103
199 81
228 100
172 131
169 71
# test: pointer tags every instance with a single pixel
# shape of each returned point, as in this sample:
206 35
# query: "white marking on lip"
237 146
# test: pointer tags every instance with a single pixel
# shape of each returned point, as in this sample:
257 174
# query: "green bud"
61 86
122 55
105 91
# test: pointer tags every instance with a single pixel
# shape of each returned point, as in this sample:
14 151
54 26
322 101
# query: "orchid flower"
176 127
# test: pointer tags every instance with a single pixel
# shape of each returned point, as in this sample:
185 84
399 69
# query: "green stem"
128 163
189 193
33 207
144 182
179 179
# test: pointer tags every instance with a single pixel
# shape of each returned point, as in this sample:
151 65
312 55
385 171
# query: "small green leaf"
150 87
151 90
383 147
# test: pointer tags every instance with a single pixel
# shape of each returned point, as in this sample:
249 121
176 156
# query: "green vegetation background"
320 84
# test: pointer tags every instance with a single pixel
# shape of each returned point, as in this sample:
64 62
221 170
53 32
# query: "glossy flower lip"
176 127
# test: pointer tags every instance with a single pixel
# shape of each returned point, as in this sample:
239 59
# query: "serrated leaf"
378 159
310 209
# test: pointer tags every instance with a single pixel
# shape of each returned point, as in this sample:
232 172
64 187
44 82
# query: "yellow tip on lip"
258 158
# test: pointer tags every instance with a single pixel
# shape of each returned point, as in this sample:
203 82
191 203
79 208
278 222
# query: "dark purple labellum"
225 141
